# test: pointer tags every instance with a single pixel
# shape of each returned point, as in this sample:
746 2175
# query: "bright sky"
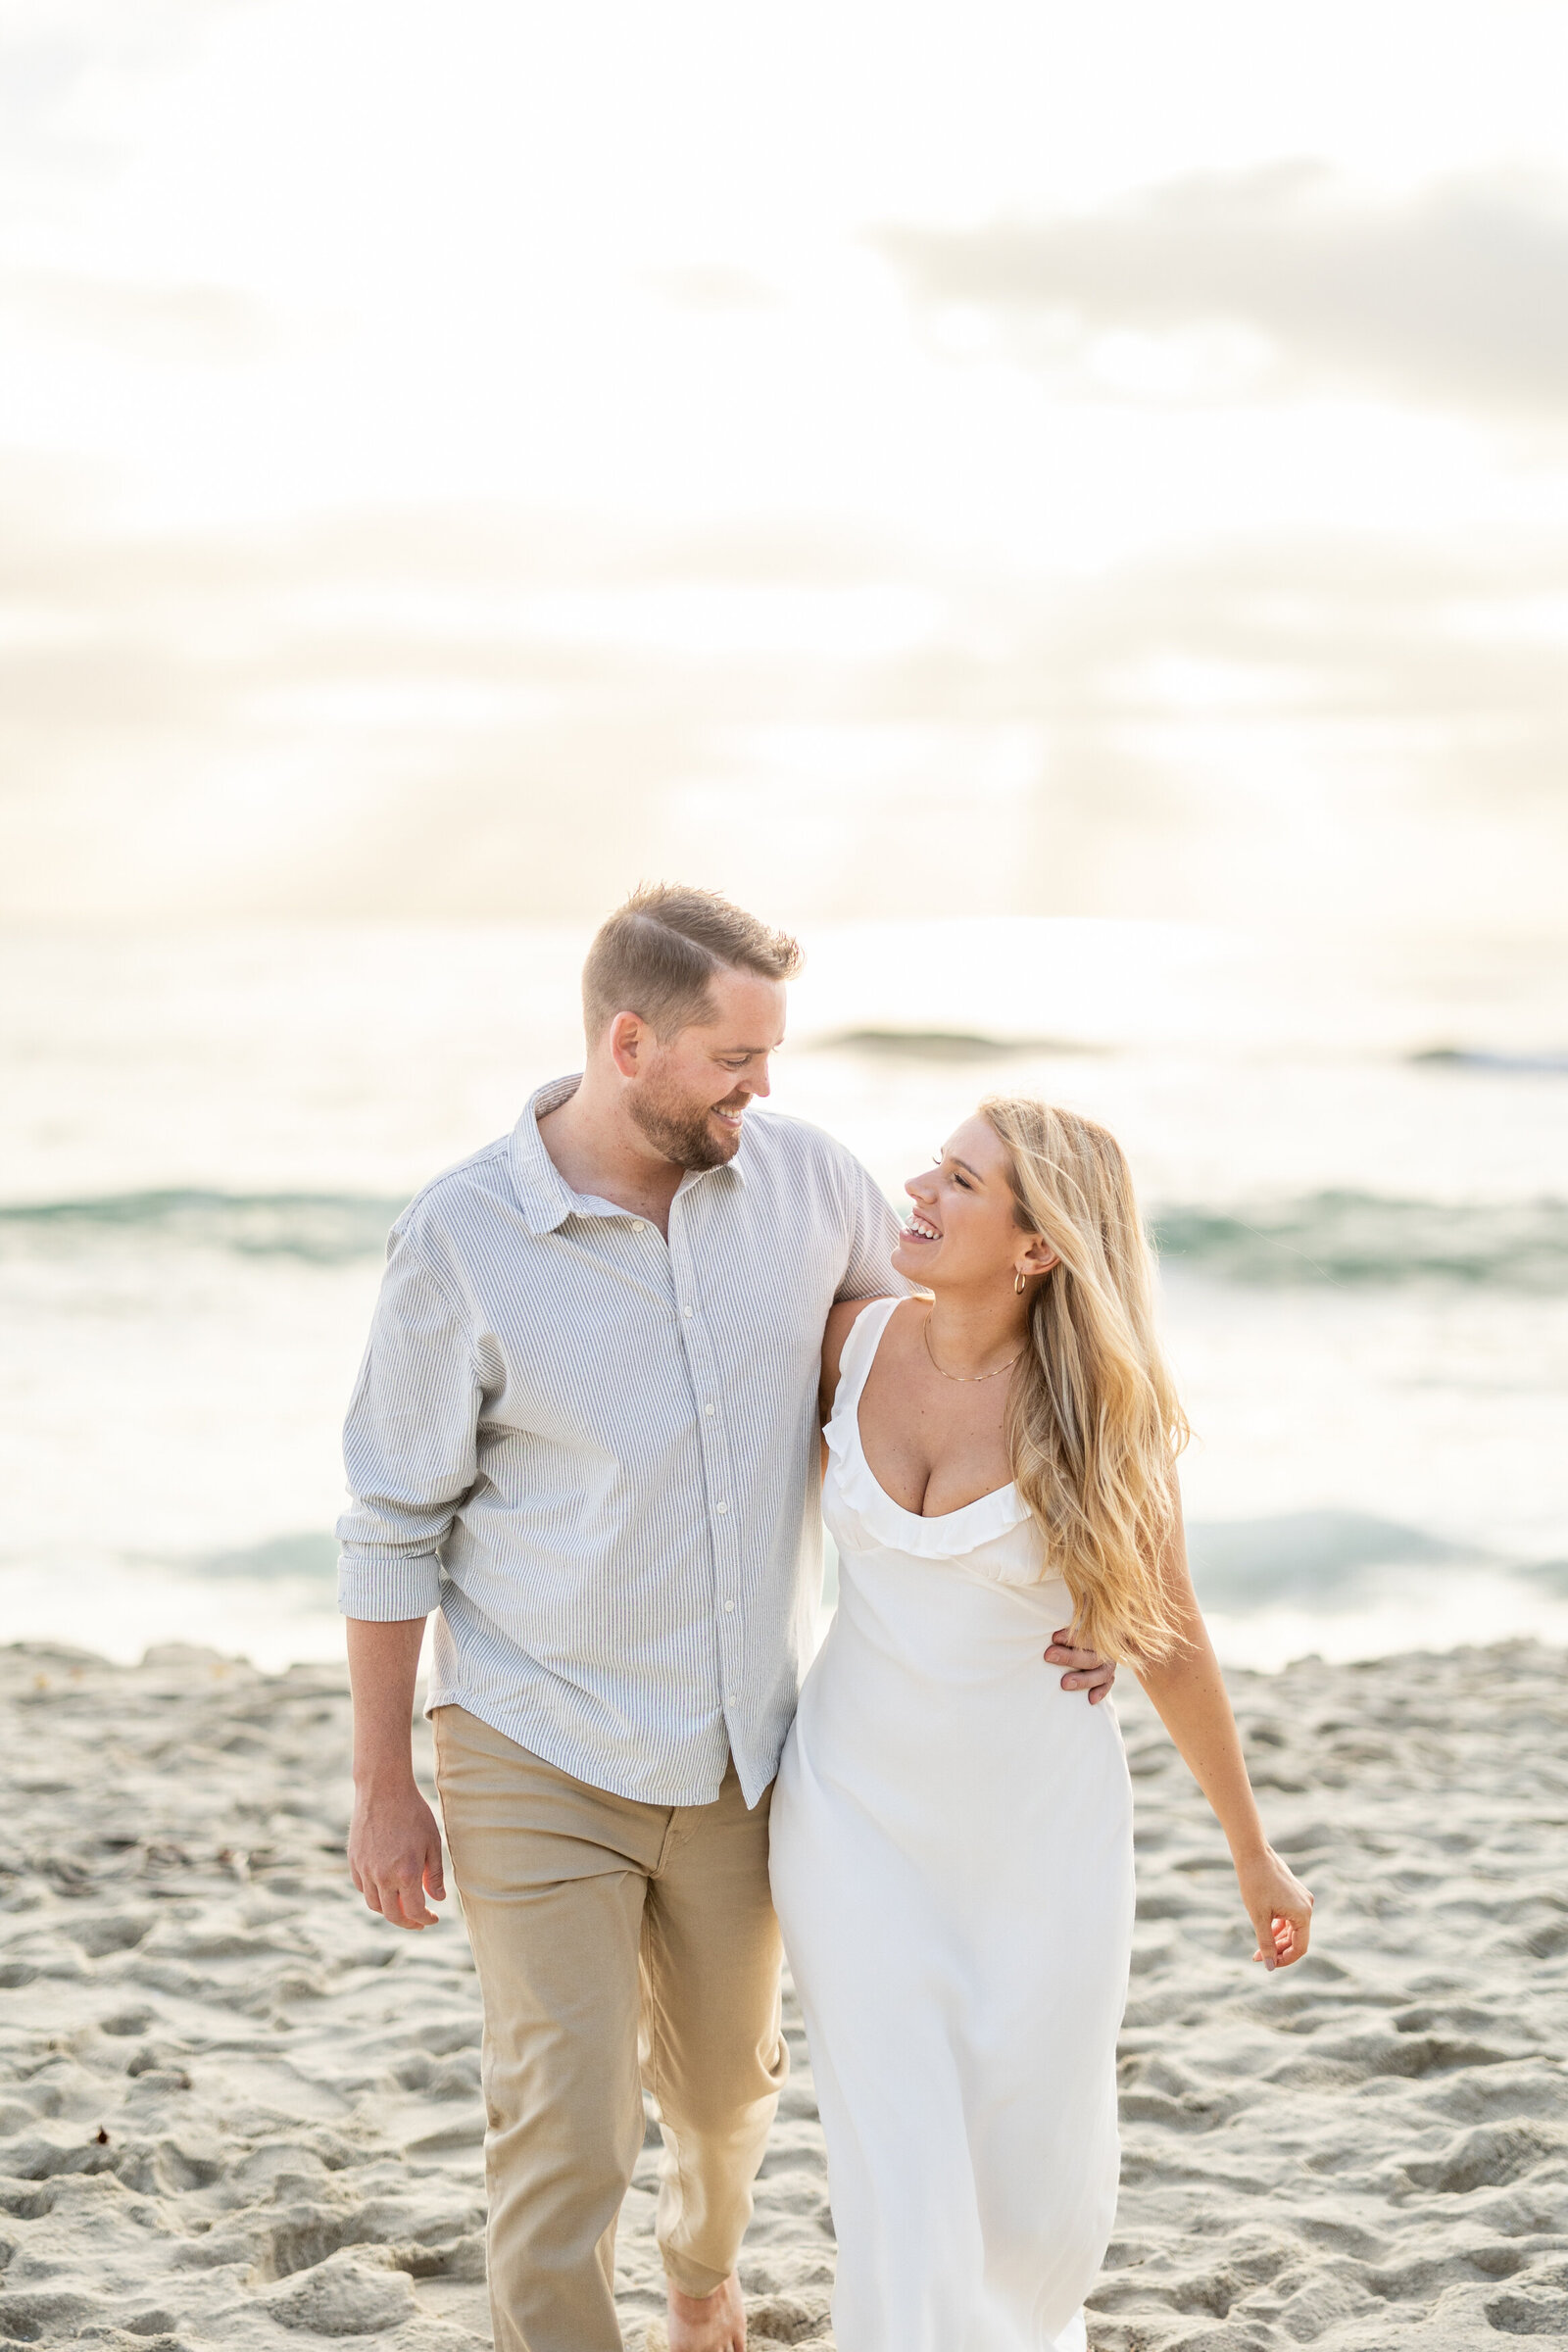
1019 459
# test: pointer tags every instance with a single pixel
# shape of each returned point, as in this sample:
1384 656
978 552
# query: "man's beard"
680 1130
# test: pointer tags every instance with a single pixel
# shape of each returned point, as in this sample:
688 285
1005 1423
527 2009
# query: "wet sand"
235 2108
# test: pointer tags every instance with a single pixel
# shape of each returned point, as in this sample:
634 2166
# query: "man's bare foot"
715 2322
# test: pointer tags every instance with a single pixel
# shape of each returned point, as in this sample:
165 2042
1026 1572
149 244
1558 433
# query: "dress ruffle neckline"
949 1535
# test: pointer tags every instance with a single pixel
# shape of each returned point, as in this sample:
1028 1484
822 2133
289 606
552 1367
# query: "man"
585 1432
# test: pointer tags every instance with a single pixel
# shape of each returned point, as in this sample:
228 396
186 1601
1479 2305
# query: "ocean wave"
1494 1063
1330 1237
1363 1238
325 1228
1305 1558
1322 1561
308 1556
945 1045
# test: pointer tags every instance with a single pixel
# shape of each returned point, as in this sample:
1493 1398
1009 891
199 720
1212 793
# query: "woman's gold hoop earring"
1017 1282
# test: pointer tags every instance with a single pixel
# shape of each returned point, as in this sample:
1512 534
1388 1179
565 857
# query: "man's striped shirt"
595 1452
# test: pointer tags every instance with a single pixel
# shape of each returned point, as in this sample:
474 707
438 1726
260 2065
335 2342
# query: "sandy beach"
238 2109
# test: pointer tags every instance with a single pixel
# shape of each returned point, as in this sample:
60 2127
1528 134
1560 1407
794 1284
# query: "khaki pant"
616 1942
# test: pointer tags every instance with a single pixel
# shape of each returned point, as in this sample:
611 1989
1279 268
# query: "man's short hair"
657 955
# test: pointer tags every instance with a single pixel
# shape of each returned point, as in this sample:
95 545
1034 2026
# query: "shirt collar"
547 1200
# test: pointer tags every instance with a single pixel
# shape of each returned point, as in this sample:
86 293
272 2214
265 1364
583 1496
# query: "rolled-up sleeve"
409 1442
872 1234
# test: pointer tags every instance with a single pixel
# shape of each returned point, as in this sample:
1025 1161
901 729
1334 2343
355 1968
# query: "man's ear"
627 1041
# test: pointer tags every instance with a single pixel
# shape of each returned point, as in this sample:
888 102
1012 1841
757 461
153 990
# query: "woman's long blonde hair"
1093 1422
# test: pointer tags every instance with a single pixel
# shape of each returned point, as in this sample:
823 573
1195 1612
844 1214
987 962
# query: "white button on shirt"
527 1454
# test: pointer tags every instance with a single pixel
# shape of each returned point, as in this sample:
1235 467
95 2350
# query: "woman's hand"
1279 1907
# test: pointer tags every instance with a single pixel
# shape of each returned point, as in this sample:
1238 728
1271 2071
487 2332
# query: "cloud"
172 322
715 286
70 72
1457 295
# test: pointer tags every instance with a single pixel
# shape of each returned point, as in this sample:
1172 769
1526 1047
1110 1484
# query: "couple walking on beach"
587 1431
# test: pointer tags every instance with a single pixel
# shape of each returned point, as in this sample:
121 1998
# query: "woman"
952 1835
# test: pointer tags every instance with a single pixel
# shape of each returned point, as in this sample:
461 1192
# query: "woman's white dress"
952 1861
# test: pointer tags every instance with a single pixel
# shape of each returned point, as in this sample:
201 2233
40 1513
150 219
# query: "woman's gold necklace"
966 1376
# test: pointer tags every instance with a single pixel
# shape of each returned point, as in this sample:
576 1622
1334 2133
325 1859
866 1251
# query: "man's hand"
1090 1671
395 1855
394 1844
715 2322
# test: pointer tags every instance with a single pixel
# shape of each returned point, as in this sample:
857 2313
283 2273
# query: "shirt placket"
712 1433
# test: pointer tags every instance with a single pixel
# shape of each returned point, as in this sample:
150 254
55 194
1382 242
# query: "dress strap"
858 1352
